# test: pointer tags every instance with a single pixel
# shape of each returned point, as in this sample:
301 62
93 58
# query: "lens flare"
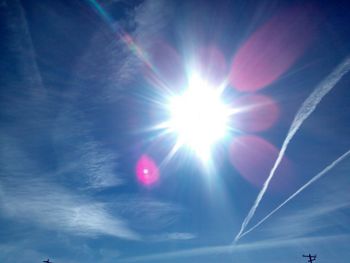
211 63
147 171
255 113
253 157
273 49
170 75
199 117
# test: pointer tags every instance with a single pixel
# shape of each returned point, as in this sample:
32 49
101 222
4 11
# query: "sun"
199 117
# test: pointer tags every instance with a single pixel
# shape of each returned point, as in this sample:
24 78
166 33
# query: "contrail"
304 112
314 179
24 47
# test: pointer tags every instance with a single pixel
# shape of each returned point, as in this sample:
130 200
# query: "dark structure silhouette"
47 261
311 258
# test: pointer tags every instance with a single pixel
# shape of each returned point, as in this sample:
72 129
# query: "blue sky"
85 87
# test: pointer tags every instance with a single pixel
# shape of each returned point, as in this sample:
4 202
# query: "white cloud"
30 195
52 207
231 250
50 147
313 212
180 236
313 217
147 214
306 109
174 236
105 70
80 156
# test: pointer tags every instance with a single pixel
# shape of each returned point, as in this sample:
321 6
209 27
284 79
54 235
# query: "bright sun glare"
199 117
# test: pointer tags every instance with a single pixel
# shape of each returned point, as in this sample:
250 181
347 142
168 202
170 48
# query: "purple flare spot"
147 171
272 49
253 157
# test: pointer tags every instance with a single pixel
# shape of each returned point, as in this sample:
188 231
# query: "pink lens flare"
211 63
147 171
168 71
272 49
253 157
255 113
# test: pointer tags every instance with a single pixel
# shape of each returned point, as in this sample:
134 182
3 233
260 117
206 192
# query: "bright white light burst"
199 117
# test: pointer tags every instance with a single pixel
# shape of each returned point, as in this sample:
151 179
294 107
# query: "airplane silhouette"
47 261
311 258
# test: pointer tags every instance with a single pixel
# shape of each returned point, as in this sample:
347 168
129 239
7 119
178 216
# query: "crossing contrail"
314 179
303 113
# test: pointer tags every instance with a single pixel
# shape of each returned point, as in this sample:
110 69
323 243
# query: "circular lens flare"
147 171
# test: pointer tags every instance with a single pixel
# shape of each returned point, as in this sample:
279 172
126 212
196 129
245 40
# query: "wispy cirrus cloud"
308 222
32 112
146 213
32 196
306 109
105 70
329 211
56 209
81 158
173 236
49 148
310 213
244 247
110 61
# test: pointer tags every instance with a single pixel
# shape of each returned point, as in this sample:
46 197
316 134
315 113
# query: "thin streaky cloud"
316 216
27 79
27 48
147 213
79 154
125 60
174 236
27 187
28 194
307 222
314 179
52 207
303 113
111 67
228 249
